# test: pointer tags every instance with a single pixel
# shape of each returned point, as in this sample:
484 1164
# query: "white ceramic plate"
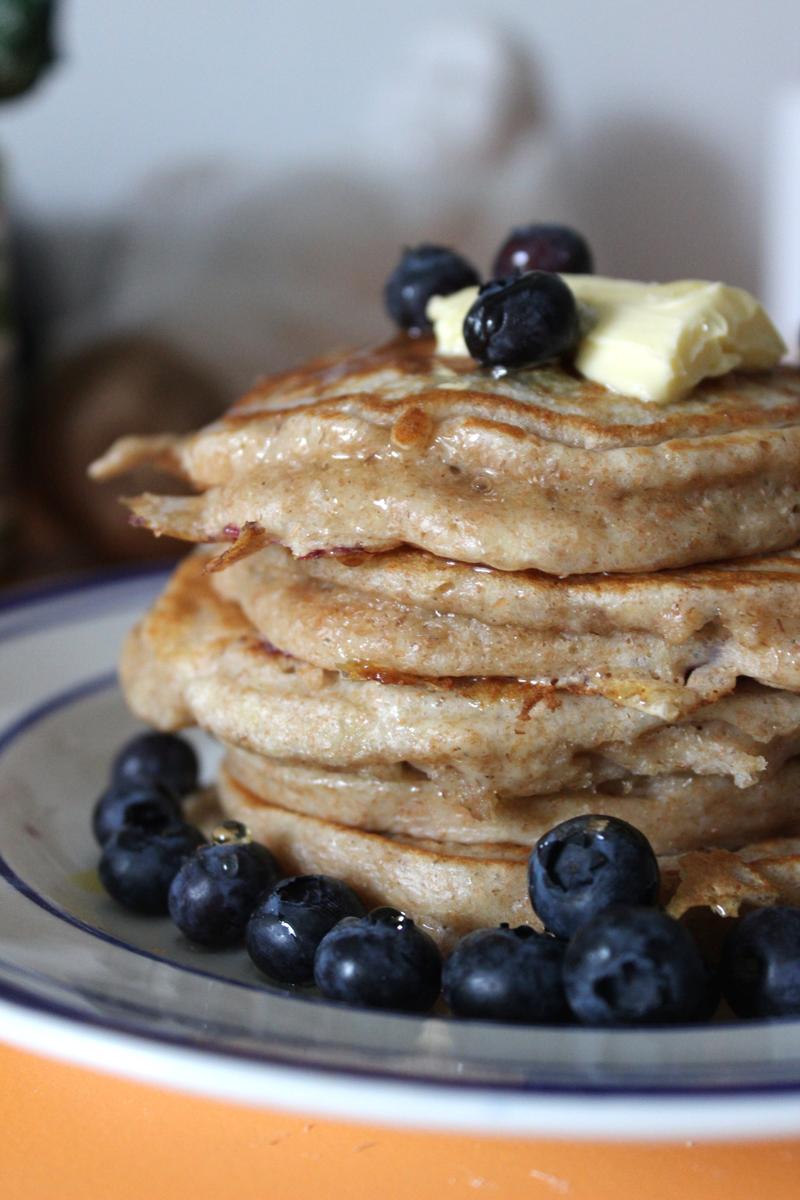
82 980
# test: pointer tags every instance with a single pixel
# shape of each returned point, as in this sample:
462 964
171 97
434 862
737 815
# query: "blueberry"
761 964
634 966
137 866
290 922
524 321
141 805
214 893
382 960
506 975
157 758
587 864
543 248
422 272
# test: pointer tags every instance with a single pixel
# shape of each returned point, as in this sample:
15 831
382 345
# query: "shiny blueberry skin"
586 864
424 271
137 866
761 964
543 248
506 975
522 321
157 758
214 893
635 966
140 805
289 923
382 960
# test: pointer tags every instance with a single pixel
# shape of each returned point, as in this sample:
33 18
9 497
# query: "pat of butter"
658 340
446 315
655 341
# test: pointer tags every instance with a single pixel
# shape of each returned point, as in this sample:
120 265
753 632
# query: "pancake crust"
756 876
450 890
195 658
675 812
539 469
694 630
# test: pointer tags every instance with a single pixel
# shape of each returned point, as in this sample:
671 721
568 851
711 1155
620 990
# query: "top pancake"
537 469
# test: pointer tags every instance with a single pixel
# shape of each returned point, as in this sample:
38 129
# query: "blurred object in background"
26 50
782 240
112 387
26 44
213 273
6 391
250 271
462 136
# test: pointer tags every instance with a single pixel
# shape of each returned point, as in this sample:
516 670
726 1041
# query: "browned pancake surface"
537 469
195 658
451 889
666 638
676 813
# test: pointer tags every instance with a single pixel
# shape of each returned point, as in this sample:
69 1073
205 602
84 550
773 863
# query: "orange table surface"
72 1134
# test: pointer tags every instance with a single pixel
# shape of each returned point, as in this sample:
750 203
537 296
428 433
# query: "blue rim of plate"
34 604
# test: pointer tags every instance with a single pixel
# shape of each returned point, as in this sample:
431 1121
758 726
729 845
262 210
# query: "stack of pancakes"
453 610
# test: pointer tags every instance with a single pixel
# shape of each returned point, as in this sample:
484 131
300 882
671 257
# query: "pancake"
675 812
195 658
405 611
448 890
537 469
451 889
756 876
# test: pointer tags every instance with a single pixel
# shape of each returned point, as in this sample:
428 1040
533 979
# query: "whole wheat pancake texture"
538 469
195 658
692 631
440 609
452 889
675 812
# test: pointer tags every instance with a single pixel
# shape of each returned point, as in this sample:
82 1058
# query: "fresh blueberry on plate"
216 890
157 758
761 964
289 923
138 865
635 966
506 975
425 271
382 960
586 864
522 321
543 247
141 805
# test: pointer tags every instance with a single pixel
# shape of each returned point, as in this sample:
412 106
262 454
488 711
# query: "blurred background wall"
658 114
214 190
